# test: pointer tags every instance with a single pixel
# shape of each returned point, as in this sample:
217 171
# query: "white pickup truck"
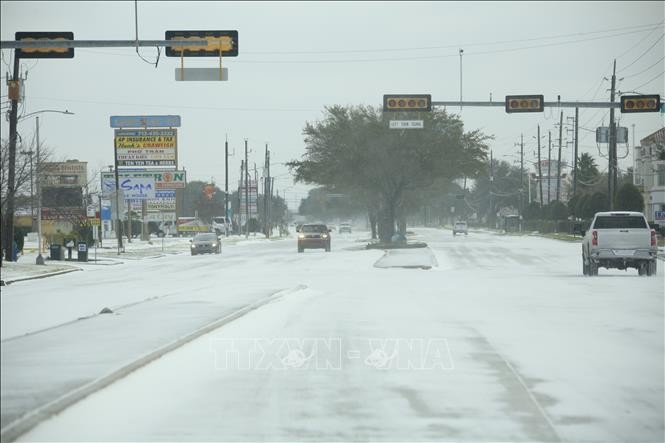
619 240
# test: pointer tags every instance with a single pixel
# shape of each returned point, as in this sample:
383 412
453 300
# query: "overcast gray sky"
297 57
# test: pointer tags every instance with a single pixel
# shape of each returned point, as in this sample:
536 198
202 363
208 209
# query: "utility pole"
558 163
240 181
8 229
272 186
246 192
612 169
490 217
266 166
540 171
549 166
521 174
461 51
226 184
577 125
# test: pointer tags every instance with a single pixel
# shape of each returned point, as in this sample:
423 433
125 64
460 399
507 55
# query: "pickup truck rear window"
620 222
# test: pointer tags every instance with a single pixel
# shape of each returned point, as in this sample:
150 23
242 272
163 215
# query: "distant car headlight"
301 236
193 246
214 245
324 236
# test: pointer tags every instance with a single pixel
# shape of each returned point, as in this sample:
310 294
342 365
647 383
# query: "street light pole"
40 258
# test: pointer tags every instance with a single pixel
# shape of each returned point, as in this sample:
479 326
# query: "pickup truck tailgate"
624 239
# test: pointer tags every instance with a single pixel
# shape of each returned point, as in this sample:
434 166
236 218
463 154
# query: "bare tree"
26 173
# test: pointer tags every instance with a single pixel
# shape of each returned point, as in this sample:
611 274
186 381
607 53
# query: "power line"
421 57
639 43
651 26
641 72
642 85
643 54
211 108
426 57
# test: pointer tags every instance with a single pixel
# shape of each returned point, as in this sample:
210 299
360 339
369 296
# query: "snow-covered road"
502 340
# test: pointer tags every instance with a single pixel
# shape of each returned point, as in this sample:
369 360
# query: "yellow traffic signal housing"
226 41
44 52
525 103
407 102
640 103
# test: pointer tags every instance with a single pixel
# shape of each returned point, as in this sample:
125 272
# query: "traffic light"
525 103
407 102
44 52
227 41
640 103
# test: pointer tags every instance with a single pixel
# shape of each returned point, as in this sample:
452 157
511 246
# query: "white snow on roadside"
540 353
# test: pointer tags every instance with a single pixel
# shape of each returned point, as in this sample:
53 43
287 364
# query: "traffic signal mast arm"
502 104
31 44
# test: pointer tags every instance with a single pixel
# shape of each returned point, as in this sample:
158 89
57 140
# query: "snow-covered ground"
503 339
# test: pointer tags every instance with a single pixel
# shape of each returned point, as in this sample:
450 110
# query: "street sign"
145 121
406 124
44 52
201 74
603 134
226 41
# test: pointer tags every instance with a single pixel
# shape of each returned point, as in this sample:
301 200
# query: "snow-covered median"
407 258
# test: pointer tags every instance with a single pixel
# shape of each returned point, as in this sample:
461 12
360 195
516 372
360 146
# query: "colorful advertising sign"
146 147
163 179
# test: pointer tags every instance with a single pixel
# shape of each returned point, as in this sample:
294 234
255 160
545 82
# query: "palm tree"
587 171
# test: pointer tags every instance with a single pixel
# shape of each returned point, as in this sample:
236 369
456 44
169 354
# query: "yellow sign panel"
43 50
91 222
191 228
46 51
145 142
214 44
216 41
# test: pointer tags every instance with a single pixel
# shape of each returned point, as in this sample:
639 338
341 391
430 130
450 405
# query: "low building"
649 175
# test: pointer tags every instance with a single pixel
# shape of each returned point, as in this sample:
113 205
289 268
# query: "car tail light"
653 237
594 240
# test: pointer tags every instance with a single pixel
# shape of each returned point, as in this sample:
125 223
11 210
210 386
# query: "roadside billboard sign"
163 179
134 188
146 147
164 200
64 174
145 121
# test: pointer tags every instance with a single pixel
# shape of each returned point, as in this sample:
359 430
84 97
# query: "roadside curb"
34 277
22 425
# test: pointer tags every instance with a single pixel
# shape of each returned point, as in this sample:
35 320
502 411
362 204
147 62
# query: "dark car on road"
314 236
206 242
